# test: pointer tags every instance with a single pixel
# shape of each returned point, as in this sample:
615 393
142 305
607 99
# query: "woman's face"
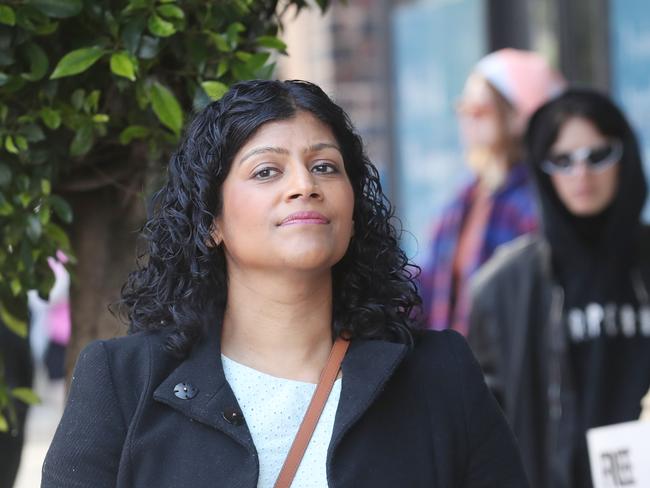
287 200
478 115
585 191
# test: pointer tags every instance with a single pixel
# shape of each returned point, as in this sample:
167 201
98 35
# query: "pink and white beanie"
524 78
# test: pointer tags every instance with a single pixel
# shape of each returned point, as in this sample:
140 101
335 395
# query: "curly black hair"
180 282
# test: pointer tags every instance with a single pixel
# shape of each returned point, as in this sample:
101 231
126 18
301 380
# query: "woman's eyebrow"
262 150
280 150
322 145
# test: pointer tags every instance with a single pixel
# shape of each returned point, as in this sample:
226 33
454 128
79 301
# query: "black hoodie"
596 260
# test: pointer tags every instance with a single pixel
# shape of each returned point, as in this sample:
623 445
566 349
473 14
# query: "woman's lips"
305 218
584 192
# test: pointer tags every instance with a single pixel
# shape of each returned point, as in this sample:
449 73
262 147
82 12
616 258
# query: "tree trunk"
103 237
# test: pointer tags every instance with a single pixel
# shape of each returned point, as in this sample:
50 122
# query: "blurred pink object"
61 257
58 313
524 78
58 319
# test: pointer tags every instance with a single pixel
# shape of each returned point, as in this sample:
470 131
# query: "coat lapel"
214 399
366 368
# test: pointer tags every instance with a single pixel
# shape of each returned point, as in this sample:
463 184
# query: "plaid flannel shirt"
514 212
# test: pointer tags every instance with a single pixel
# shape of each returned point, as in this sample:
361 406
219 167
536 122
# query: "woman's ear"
215 233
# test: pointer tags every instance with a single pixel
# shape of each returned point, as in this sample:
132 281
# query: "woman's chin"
312 259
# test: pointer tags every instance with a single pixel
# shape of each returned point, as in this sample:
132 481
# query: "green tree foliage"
84 81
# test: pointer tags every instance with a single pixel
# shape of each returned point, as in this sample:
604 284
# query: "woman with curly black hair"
272 327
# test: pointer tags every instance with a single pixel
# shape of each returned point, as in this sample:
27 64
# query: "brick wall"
345 53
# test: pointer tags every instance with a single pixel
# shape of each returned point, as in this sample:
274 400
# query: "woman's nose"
580 167
303 184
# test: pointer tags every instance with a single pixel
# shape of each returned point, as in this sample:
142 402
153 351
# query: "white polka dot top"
273 409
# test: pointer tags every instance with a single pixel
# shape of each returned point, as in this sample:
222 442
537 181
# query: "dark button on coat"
234 416
406 418
185 391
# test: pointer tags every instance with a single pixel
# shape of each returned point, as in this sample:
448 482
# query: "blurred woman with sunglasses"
561 321
503 90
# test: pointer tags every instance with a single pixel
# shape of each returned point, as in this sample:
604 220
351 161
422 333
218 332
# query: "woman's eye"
561 160
265 173
324 168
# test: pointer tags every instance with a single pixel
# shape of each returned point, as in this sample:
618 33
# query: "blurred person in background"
58 318
560 321
502 91
50 325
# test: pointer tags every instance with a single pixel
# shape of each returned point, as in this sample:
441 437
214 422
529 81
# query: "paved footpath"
41 424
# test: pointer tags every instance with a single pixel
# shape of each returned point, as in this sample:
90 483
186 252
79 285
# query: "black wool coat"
138 417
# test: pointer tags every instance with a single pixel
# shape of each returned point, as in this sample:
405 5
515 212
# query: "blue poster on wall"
630 68
435 45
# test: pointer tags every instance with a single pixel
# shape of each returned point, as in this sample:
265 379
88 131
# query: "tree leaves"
166 107
272 42
16 325
8 417
61 208
77 98
160 27
26 395
220 42
82 141
91 103
5 174
58 235
6 208
59 9
132 33
78 78
10 145
7 15
166 20
122 64
133 132
33 228
51 118
100 118
171 11
38 62
214 89
77 61
32 132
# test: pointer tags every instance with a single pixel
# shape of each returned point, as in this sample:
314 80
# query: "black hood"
613 235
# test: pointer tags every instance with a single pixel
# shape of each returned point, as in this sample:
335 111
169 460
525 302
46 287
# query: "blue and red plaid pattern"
514 212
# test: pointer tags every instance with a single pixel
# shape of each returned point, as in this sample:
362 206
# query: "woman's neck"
281 325
491 167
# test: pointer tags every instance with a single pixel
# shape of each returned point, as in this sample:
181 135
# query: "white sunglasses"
596 158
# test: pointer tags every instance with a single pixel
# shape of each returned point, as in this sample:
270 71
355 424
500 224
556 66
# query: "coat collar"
214 398
366 368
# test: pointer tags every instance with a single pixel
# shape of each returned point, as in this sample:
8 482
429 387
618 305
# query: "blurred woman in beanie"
504 88
560 321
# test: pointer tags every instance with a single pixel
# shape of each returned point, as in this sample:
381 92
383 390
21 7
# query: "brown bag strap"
308 425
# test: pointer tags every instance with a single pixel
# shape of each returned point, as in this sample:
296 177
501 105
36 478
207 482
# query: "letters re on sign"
619 455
